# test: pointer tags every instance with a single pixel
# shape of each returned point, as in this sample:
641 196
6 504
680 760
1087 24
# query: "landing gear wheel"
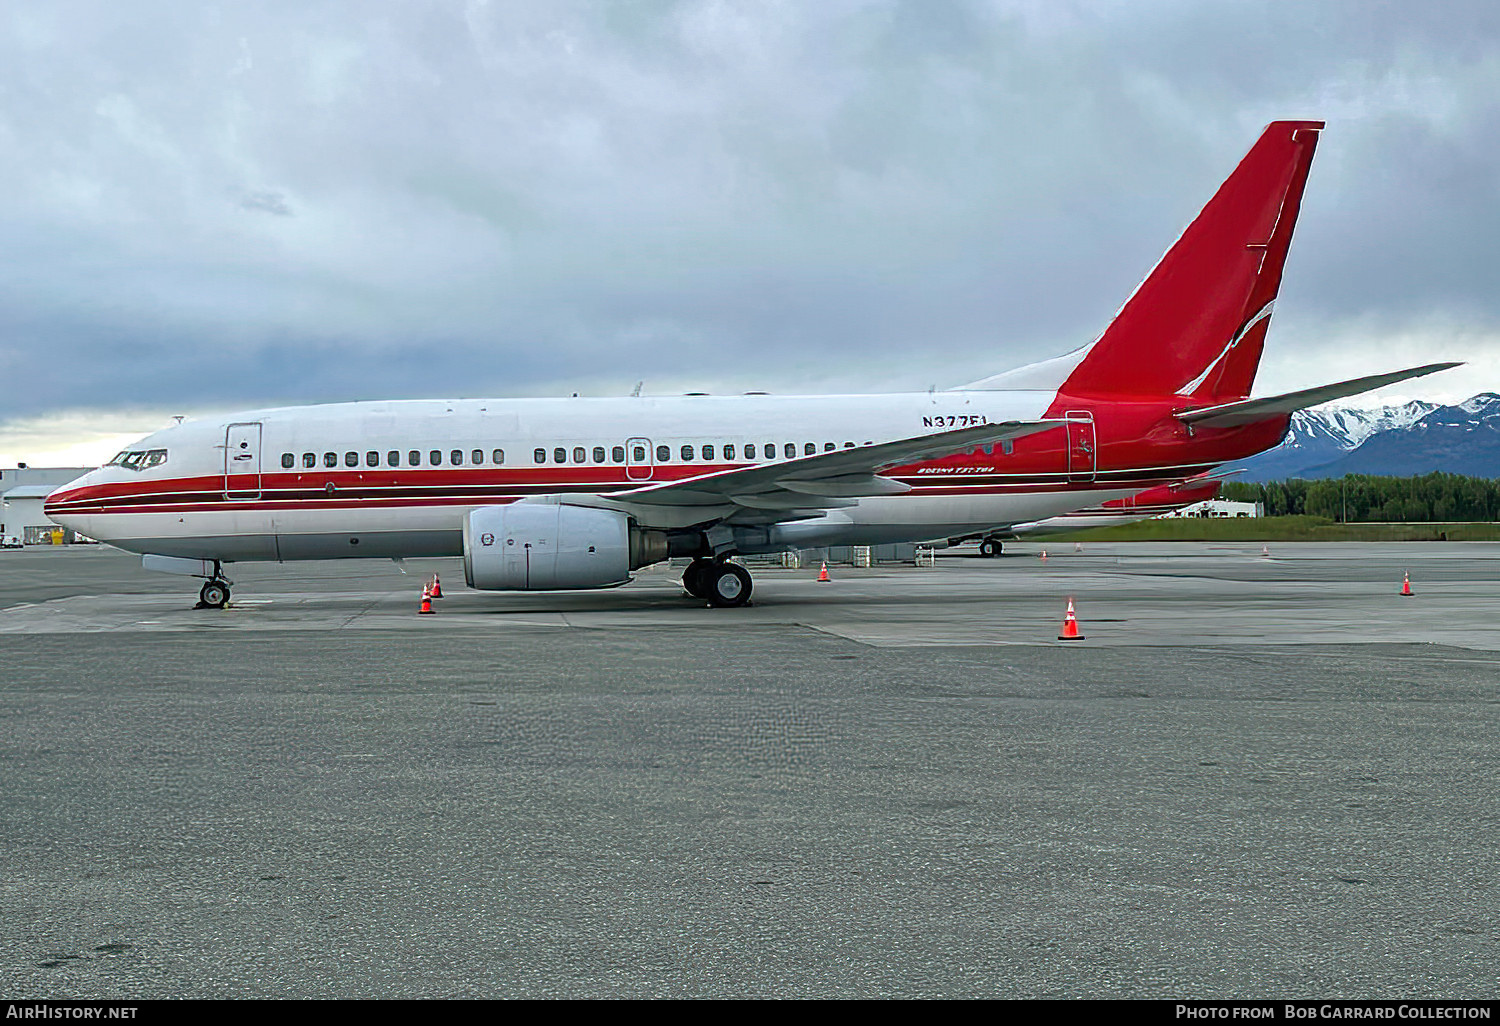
728 585
215 595
695 578
990 548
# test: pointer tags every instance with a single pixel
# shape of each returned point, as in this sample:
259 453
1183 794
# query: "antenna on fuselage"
177 417
637 393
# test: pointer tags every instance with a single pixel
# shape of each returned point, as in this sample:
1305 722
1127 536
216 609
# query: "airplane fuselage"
395 479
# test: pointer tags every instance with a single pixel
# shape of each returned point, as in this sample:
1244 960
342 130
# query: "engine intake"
540 546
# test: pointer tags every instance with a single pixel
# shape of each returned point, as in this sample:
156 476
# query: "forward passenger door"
242 461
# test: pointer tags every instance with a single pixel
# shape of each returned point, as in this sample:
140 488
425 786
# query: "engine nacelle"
531 546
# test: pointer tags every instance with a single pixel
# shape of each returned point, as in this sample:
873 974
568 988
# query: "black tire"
990 548
727 585
214 595
694 578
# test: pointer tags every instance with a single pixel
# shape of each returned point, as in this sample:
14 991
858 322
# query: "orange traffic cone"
1406 591
426 606
437 587
1070 626
823 574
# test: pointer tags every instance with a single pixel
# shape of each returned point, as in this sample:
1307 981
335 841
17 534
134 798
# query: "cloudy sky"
210 206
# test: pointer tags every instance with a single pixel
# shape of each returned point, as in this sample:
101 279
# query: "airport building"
1213 508
23 490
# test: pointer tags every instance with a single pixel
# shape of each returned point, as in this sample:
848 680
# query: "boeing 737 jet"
547 494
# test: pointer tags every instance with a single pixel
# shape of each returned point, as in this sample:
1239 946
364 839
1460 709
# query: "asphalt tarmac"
1259 776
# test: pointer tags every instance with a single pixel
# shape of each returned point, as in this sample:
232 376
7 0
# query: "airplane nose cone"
57 507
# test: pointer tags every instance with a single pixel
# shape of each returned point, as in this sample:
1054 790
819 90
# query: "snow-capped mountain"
1354 426
1414 438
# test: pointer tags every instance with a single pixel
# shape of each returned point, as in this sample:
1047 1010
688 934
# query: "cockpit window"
118 457
139 459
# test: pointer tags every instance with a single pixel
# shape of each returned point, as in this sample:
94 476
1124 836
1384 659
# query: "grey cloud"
268 202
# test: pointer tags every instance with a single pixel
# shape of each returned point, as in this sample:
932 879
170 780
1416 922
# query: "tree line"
1358 498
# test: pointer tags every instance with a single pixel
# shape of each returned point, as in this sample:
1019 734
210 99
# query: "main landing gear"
991 547
721 584
215 591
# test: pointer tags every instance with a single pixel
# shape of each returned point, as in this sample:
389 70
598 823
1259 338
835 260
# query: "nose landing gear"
215 591
214 594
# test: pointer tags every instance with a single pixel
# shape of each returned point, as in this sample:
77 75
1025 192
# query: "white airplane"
547 494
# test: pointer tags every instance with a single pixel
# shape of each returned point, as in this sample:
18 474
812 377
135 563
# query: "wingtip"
1434 368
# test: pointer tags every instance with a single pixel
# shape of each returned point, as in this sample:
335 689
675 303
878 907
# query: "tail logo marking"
1263 314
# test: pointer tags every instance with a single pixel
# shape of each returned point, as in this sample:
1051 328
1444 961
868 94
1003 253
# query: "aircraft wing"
809 485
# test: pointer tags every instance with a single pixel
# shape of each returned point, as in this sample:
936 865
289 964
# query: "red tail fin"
1196 325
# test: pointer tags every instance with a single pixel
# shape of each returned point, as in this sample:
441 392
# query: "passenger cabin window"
663 453
435 457
848 445
729 451
393 458
497 457
351 459
372 458
288 461
618 454
828 447
790 449
769 449
809 448
708 452
640 454
687 453
598 454
579 454
540 455
476 457
456 457
559 455
309 459
414 458
330 459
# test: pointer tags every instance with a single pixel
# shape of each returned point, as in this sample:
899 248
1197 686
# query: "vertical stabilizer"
1196 326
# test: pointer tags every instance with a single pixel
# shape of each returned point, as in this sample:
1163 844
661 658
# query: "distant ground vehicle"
10 541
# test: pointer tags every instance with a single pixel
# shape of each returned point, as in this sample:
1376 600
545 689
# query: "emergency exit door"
639 465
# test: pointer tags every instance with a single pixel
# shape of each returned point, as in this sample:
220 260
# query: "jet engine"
547 546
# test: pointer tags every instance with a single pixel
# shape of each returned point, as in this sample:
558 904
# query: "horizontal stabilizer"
1246 411
1205 478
